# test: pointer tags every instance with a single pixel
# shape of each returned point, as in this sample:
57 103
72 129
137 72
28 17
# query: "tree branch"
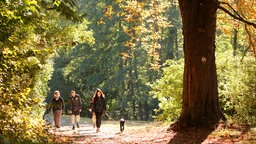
236 15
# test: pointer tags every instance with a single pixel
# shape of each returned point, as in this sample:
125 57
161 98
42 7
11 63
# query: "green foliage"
168 90
29 35
237 88
23 83
236 78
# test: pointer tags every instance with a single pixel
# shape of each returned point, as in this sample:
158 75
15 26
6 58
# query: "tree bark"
200 91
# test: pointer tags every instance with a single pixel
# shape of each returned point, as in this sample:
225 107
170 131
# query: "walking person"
57 105
98 107
75 107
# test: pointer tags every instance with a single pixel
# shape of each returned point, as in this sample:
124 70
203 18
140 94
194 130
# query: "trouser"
57 117
98 119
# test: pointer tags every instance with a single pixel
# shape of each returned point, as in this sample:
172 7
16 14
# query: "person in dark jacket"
98 107
90 109
57 105
75 106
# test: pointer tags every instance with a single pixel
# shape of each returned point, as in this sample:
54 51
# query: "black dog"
122 121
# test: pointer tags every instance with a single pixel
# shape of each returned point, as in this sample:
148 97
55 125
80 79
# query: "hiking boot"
77 125
73 127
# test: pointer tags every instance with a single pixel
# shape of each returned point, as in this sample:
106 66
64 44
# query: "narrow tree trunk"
140 110
200 94
176 44
146 109
131 93
235 41
172 39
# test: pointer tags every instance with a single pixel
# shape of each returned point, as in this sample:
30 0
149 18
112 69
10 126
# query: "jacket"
75 103
57 104
99 104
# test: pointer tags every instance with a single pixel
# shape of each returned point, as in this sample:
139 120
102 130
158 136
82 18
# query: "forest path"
134 132
140 132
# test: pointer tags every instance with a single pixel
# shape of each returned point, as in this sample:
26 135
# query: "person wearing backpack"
98 107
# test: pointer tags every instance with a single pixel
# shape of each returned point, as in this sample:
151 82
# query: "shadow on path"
190 136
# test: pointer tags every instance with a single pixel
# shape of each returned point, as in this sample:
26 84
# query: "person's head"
73 93
56 94
99 93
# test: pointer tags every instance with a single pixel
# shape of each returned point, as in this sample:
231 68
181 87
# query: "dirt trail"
135 132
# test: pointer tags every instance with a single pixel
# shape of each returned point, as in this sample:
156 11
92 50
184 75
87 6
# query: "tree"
200 94
30 32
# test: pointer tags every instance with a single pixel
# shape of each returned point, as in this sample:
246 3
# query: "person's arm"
70 105
80 103
49 106
92 101
63 104
93 105
104 105
90 108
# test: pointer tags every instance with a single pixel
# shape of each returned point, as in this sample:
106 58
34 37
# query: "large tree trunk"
200 91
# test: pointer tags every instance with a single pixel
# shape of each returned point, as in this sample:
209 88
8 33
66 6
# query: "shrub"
168 90
237 88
